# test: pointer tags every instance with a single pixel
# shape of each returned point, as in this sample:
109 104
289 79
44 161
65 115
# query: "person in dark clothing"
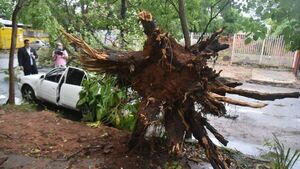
26 58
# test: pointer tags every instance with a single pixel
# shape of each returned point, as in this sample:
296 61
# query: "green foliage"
18 72
45 57
6 9
279 156
280 16
198 14
106 102
172 165
40 15
24 107
87 18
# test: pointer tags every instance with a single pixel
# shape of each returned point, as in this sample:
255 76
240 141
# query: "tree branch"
212 17
237 102
255 94
174 5
184 24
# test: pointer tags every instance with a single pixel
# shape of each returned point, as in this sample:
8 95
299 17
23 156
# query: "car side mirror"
42 77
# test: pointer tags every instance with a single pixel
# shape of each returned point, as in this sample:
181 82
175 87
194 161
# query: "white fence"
269 52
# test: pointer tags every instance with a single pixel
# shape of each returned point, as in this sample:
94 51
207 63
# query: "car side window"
74 76
55 75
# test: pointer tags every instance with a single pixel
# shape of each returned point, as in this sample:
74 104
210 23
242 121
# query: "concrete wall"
277 61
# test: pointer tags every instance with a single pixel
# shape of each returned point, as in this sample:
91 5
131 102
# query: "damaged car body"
60 86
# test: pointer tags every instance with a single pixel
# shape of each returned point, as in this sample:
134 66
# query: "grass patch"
280 157
24 107
172 165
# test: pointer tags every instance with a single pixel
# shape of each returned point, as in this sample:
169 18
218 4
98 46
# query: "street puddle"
248 148
238 109
245 148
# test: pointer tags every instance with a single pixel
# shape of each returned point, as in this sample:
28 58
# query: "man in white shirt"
26 58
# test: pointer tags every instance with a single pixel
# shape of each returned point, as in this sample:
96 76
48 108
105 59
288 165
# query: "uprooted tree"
172 81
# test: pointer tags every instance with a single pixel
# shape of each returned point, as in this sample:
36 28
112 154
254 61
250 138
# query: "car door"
69 91
48 86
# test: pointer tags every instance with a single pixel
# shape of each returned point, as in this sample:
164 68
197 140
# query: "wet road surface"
253 127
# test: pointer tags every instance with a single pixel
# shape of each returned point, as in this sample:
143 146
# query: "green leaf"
81 102
259 10
248 40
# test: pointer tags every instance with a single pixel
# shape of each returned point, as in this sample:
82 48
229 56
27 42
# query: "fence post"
262 51
296 63
233 47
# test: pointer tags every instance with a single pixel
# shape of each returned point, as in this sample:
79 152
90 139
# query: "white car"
60 86
37 44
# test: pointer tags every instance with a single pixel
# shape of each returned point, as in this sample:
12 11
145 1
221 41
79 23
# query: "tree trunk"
184 24
122 17
11 99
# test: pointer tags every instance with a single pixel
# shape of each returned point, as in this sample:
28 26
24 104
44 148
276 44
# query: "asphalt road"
254 127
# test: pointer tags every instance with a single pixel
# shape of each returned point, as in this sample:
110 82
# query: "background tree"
6 9
88 18
20 4
184 24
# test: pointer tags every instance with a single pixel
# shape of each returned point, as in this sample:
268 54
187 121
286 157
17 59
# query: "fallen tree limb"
237 102
216 133
255 94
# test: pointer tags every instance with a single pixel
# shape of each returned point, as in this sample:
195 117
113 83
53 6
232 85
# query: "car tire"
28 94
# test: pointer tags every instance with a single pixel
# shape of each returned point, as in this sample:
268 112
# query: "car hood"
31 80
35 76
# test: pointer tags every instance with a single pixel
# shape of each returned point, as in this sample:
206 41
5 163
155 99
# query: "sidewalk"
259 75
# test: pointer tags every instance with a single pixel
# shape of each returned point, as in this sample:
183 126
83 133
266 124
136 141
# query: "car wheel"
28 94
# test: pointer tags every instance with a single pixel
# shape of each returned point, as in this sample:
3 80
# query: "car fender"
32 81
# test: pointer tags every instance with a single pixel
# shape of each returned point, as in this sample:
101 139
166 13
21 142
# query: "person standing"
26 59
60 56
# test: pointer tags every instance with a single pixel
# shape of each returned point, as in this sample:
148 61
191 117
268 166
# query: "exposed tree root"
256 95
237 102
171 80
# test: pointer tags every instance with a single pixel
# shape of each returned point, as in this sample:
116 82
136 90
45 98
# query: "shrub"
45 57
103 100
